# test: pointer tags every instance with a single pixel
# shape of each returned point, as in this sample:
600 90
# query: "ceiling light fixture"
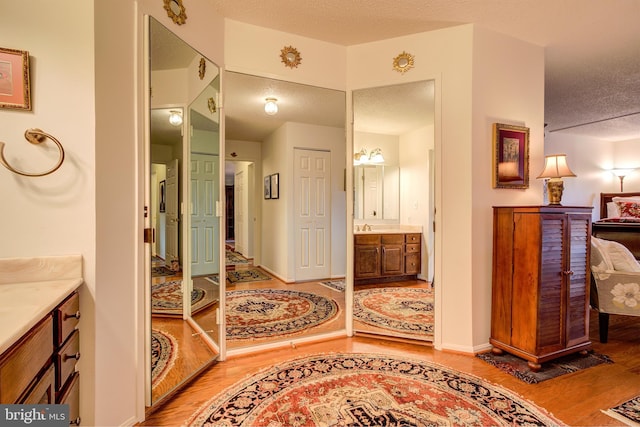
271 106
175 117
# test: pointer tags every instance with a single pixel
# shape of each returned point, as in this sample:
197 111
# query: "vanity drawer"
42 392
66 359
367 239
24 361
71 396
412 238
412 248
412 264
67 316
392 239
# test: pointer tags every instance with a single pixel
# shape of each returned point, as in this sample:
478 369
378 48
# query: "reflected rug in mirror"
336 285
166 298
261 313
243 275
235 258
407 312
627 412
366 390
554 368
164 349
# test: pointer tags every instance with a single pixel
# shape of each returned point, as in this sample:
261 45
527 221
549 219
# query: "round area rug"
166 298
164 350
366 390
259 313
403 310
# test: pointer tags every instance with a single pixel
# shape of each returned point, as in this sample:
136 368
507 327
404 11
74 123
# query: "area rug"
366 390
336 285
260 313
404 311
162 271
234 258
563 365
164 350
166 298
627 412
244 275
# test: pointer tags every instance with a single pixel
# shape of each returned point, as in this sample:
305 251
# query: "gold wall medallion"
202 68
211 103
176 11
403 62
290 57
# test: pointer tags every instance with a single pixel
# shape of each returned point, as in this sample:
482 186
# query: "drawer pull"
75 315
75 422
66 357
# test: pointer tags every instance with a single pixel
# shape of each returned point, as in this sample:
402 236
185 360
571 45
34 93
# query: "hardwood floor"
576 399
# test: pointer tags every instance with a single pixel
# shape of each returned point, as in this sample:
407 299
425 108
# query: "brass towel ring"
34 136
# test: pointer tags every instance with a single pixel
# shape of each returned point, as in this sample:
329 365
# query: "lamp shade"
555 166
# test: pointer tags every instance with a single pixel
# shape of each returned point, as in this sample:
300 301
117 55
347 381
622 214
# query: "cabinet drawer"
367 239
42 392
66 359
71 396
67 316
412 264
412 248
23 363
392 239
412 238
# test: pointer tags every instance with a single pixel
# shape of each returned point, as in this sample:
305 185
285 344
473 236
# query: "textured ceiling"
592 47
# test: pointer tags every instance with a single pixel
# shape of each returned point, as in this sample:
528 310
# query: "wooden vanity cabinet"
367 256
67 345
386 256
392 252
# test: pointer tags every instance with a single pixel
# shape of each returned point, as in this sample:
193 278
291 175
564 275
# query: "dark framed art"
267 187
275 186
510 156
15 91
162 195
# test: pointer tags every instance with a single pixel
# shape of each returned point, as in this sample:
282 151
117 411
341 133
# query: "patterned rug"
164 350
336 285
366 390
260 313
162 271
407 312
234 258
244 275
166 298
563 365
627 412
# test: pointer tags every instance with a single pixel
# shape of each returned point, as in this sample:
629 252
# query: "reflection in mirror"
276 289
394 211
178 350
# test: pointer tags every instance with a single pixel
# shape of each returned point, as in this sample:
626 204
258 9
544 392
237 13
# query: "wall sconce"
555 168
621 173
375 156
271 106
175 117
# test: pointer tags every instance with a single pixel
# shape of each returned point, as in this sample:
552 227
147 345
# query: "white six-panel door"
312 198
204 222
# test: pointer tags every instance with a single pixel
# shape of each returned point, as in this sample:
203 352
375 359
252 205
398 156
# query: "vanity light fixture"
361 157
271 106
621 173
175 117
555 168
376 156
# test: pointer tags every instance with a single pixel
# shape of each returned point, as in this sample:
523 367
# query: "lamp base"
555 187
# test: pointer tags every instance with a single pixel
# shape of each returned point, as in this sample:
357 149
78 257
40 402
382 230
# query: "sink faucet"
366 227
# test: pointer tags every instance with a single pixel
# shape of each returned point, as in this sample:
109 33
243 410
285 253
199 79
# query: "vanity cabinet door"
367 263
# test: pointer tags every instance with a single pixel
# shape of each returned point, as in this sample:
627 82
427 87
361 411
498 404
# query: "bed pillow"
612 210
629 209
620 257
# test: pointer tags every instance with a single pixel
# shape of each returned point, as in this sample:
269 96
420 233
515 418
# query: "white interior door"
312 189
172 214
372 193
238 212
204 222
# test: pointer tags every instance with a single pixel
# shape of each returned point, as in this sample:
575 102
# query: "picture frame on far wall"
510 156
275 186
267 187
15 87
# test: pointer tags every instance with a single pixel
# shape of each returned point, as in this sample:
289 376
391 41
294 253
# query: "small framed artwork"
15 91
267 187
162 195
275 186
510 156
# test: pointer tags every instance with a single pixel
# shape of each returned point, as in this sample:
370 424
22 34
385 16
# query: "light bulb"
175 118
271 106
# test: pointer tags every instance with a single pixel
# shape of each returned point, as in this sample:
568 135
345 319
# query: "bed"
623 227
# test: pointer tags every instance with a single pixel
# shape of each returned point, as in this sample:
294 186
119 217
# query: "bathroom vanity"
386 255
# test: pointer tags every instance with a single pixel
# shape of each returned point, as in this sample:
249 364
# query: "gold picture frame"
510 156
15 86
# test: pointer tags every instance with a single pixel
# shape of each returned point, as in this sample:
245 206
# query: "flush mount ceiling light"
271 106
175 117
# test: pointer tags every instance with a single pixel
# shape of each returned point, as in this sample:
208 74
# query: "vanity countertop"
388 229
30 288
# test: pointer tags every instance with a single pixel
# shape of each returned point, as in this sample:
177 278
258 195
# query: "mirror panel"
179 124
376 192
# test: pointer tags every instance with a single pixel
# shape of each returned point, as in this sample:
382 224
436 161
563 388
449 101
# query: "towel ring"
34 136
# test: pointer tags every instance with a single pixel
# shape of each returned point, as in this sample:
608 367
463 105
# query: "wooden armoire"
540 288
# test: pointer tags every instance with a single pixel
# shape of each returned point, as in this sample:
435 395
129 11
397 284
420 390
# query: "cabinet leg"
535 367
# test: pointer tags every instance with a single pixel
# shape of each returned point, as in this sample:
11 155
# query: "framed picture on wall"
275 187
15 89
267 187
510 156
162 195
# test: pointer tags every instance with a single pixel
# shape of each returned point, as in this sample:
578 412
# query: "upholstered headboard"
608 197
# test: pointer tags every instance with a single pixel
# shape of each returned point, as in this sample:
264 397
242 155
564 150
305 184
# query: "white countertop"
388 229
30 288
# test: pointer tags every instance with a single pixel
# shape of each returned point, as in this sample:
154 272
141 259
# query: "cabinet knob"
568 273
75 315
66 357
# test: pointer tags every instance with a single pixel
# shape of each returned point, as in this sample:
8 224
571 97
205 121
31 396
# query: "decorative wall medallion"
202 68
290 57
403 62
176 11
211 103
